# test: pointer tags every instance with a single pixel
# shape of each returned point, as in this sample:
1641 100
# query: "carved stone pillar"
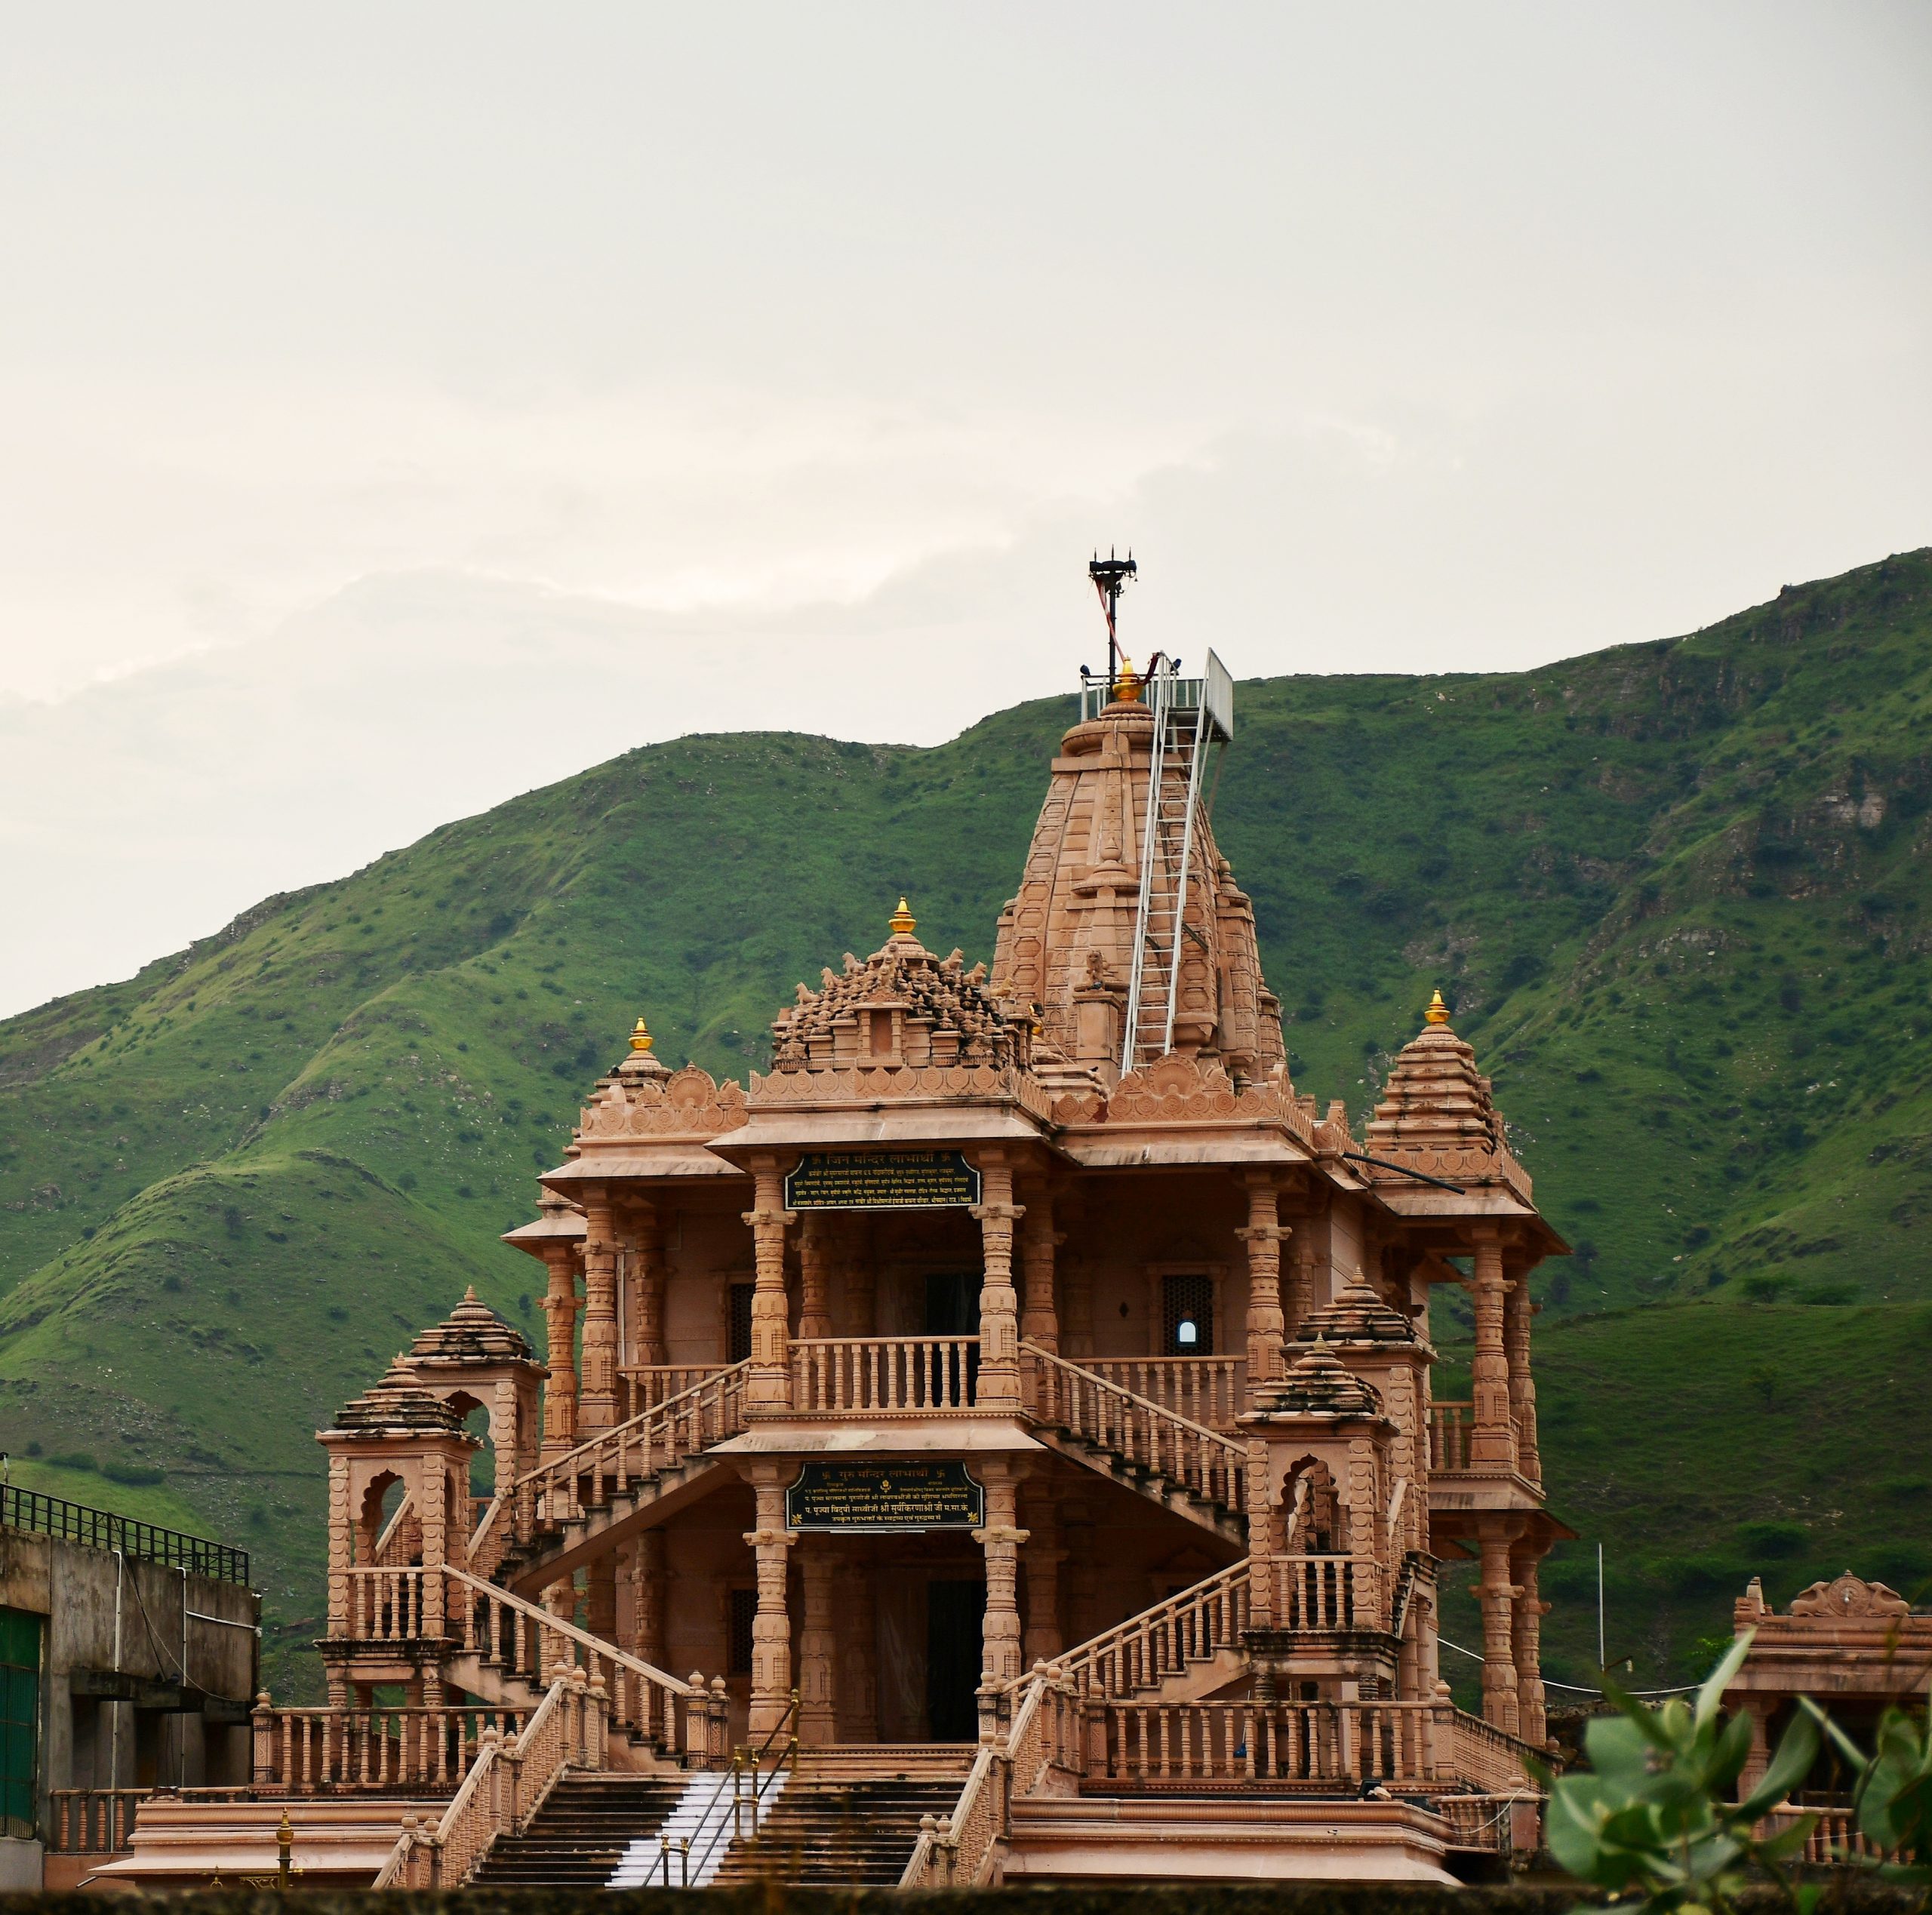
1498 1594
1492 1442
771 1627
814 1276
560 1421
434 1491
342 1529
818 1697
1000 1635
1300 1300
647 1297
1042 1640
600 1595
599 1392
1040 1321
998 1383
768 1386
1266 1328
1517 1310
1526 1650
649 1592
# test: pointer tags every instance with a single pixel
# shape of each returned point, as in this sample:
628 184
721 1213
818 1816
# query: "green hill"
1677 893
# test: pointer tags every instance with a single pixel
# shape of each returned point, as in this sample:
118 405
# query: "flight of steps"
1227 1523
576 1837
834 1831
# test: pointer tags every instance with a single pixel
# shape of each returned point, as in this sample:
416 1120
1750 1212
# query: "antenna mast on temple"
1110 575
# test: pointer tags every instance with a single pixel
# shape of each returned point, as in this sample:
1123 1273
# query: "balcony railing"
884 1376
1324 1592
98 1528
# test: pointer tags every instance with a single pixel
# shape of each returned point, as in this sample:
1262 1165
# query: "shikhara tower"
1058 1252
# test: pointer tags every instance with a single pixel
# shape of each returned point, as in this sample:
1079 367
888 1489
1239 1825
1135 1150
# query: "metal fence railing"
98 1528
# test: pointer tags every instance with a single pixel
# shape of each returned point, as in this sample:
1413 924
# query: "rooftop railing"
99 1528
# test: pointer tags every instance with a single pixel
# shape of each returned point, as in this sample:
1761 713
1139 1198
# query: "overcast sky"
401 405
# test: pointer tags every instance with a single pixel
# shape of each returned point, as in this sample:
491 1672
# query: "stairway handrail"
583 1638
479 1811
557 1466
1233 1448
753 1758
1075 1664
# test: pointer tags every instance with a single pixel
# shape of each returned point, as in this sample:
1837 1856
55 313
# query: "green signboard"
885 1496
882 1180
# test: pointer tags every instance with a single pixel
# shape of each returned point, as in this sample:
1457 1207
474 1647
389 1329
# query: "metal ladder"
1184 726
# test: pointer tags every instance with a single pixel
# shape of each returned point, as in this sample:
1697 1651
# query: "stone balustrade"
302 1751
1210 1391
1162 1641
1098 1411
883 1376
1331 1743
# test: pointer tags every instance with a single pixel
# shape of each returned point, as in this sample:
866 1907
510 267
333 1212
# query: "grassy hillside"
1677 893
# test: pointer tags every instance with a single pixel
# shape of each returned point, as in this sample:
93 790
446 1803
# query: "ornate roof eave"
671 1160
558 1224
851 1125
1419 1203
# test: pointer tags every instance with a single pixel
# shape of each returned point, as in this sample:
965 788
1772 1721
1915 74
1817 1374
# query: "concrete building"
129 1655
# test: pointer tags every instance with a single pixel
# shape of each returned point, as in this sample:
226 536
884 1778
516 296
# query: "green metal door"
19 1719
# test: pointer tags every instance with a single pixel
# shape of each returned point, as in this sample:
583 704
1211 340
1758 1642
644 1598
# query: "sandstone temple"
996 1443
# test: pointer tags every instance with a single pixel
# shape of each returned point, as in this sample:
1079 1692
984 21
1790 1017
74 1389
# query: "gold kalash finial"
1438 1012
1126 684
641 1038
902 921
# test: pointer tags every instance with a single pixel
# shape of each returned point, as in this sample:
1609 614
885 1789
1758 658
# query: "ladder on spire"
1189 715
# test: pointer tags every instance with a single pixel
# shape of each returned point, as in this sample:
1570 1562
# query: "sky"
402 406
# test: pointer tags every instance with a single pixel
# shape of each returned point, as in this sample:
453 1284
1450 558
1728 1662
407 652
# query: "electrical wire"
1574 1688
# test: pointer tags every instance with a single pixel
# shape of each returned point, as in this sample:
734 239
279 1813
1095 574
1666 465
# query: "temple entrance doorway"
952 1303
955 1608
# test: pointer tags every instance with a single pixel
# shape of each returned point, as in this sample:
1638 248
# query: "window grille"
741 1322
1187 1316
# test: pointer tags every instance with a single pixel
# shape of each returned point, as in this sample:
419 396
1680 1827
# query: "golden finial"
903 920
1126 684
640 1037
1438 1012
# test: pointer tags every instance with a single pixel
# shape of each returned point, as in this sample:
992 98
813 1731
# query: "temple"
996 1443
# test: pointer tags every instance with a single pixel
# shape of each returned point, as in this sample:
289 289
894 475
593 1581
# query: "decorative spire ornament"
1438 1012
902 921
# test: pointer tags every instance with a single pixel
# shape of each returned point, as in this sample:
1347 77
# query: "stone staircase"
565 1512
836 1831
1183 1465
576 1839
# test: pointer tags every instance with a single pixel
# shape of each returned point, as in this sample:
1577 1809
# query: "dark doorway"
952 1309
954 1612
952 1303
